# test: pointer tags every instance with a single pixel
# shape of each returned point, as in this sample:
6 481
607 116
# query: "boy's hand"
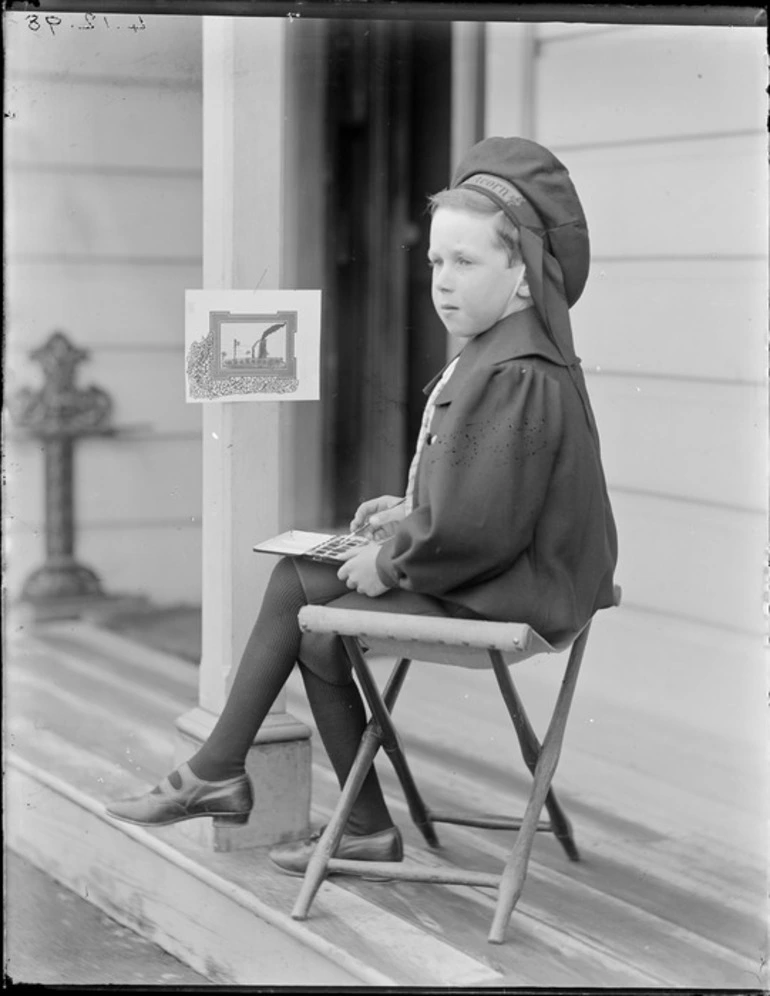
379 515
359 572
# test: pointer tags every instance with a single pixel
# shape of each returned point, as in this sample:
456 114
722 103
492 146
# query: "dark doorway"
388 140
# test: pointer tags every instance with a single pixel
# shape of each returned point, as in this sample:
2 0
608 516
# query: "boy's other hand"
379 515
359 572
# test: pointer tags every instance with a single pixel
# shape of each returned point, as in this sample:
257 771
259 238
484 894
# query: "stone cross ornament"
59 414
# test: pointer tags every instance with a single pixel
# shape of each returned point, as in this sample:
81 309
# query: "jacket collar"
518 335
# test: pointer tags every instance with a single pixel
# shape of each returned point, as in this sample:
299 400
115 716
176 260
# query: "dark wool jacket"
511 516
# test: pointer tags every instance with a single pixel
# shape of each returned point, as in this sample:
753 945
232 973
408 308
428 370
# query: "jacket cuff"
385 568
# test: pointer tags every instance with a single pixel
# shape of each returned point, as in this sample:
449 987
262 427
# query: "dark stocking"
339 714
267 662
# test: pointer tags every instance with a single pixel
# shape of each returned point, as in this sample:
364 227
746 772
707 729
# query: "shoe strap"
164 786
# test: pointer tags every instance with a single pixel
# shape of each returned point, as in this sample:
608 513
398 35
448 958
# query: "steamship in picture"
254 356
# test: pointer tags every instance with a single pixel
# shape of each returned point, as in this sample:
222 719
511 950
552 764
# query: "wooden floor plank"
653 944
351 926
734 882
666 894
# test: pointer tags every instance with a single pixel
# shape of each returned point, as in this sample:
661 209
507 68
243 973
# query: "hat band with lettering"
508 198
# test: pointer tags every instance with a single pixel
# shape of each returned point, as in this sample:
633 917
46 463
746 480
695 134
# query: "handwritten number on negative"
34 23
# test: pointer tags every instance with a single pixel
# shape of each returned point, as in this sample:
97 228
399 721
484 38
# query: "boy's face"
474 285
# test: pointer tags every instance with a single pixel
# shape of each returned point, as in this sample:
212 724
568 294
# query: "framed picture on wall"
252 345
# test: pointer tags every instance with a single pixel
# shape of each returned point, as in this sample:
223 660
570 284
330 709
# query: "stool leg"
315 872
530 751
512 879
395 682
390 740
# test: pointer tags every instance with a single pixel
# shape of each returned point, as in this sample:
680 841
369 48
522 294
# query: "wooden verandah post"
244 162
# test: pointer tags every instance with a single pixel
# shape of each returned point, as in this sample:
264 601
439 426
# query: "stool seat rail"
457 642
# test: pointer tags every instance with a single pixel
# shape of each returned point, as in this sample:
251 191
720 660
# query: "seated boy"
509 515
506 514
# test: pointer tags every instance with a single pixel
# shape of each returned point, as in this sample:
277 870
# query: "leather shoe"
386 845
229 801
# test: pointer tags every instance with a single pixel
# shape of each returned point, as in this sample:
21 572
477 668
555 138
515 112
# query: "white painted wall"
663 131
103 234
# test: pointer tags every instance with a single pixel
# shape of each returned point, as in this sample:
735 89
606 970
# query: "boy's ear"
524 290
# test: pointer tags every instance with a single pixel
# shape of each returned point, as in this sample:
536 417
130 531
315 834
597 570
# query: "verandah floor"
670 818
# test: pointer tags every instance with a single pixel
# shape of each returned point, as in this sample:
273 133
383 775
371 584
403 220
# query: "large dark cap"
534 189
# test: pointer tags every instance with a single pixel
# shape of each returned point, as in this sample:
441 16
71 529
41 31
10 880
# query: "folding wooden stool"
463 643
